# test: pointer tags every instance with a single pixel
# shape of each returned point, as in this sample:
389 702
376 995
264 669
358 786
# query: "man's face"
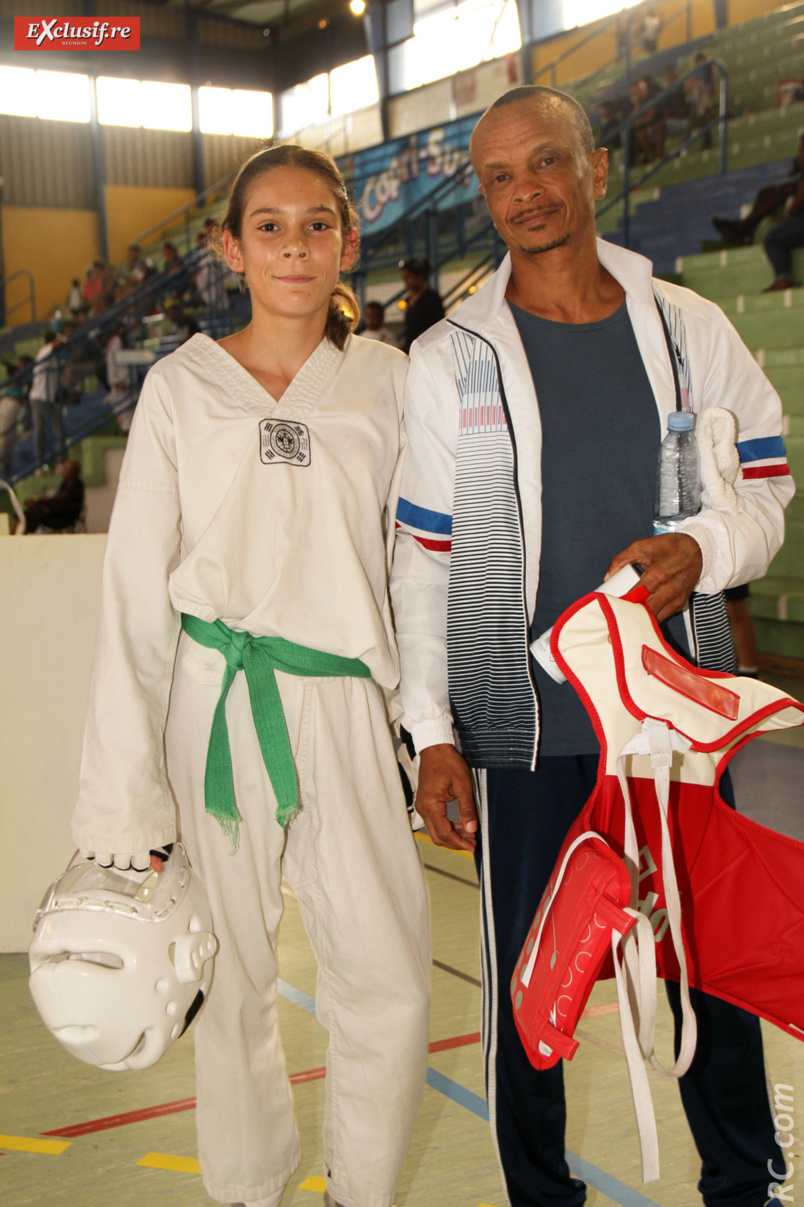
539 183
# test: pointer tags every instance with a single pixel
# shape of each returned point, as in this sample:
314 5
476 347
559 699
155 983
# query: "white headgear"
122 961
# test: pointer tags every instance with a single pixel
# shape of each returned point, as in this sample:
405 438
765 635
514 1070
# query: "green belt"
259 657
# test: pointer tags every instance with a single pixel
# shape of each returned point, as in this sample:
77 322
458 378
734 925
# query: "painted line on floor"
102 1125
313 1183
171 1162
297 997
616 1190
431 867
457 1041
458 1093
464 976
188 1104
29 1144
156 1112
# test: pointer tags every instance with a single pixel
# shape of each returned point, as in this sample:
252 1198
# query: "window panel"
18 91
118 101
166 106
215 110
353 86
252 113
305 105
62 96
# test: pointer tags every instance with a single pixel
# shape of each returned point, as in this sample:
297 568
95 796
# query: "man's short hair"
529 92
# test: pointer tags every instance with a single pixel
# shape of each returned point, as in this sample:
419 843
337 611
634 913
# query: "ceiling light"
358 7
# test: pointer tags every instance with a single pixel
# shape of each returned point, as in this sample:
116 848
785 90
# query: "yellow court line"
27 1144
422 837
168 1161
319 1184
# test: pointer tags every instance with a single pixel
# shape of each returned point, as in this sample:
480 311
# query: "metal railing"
60 422
30 298
184 211
720 122
603 29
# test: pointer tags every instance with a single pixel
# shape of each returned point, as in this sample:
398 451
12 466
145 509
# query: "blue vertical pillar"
98 167
195 80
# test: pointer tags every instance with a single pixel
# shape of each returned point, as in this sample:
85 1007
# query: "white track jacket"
466 566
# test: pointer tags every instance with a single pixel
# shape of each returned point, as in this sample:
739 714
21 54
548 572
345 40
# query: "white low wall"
49 597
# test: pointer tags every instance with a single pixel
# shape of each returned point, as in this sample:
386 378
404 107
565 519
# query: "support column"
99 168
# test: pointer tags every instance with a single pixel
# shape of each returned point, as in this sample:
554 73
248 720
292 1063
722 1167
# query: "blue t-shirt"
600 444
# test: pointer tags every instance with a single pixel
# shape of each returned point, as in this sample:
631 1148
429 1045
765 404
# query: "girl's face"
291 246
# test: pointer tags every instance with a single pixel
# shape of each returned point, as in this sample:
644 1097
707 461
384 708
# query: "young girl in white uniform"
248 552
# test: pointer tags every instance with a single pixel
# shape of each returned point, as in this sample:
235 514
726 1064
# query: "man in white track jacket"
511 509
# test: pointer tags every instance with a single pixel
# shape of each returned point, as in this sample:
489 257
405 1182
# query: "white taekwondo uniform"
276 518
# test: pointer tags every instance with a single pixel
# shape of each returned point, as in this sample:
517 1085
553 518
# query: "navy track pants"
724 1093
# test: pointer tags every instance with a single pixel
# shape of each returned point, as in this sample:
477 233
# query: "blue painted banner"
387 180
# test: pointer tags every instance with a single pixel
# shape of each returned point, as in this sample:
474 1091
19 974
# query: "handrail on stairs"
184 210
721 121
30 298
602 27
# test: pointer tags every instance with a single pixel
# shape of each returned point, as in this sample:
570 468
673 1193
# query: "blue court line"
458 1093
616 1190
297 997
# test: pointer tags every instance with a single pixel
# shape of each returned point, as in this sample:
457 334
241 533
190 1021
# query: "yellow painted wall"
55 245
598 49
129 211
746 10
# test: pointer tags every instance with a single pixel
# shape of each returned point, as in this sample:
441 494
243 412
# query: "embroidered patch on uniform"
284 441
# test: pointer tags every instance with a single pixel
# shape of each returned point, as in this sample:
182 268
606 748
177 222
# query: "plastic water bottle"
678 481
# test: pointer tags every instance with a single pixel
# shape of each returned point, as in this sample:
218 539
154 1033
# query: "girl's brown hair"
344 311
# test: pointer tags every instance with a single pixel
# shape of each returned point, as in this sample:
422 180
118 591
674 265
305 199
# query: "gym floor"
75 1136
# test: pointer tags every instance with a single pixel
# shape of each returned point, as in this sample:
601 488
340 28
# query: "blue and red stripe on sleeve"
432 529
764 457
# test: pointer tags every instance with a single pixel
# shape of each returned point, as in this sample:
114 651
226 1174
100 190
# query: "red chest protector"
712 884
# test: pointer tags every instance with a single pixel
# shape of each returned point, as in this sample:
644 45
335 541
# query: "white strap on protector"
659 741
641 936
635 956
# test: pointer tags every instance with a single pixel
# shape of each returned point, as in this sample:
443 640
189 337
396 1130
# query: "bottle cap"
680 421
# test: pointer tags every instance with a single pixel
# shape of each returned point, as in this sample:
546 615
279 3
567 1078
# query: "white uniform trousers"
352 861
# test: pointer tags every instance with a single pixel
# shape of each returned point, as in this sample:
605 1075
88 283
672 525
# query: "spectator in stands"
75 300
210 280
184 324
648 130
99 286
648 30
12 401
136 271
77 363
608 134
171 255
678 115
739 232
117 375
701 93
60 510
423 305
373 315
44 391
782 238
